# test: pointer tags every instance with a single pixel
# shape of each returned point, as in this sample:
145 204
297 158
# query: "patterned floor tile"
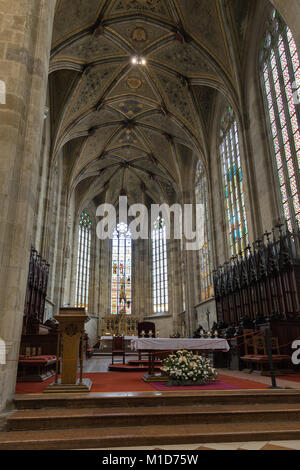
274 445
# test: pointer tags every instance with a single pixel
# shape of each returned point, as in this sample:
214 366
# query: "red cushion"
275 358
281 356
37 358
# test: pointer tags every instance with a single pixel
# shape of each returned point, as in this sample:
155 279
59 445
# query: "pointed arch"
205 252
280 77
121 280
236 218
83 261
160 268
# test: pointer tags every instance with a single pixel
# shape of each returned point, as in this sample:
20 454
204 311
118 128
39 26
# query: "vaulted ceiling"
133 128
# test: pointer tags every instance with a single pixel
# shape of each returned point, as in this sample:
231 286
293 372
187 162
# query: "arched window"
121 279
233 184
83 261
160 267
281 81
205 254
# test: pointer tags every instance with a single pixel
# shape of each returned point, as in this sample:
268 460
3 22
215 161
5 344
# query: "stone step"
129 436
146 416
144 399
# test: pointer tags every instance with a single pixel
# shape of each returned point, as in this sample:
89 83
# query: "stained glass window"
233 184
83 261
160 267
121 278
205 254
281 82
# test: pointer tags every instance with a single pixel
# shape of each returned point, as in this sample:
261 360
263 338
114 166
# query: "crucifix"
207 316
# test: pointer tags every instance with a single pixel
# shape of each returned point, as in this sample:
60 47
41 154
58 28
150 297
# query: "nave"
150 223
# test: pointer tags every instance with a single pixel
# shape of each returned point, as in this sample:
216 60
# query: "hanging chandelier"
138 60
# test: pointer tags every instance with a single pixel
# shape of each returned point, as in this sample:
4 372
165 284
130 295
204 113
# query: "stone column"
25 32
190 275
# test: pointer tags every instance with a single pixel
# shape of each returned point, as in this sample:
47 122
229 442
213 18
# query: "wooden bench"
36 368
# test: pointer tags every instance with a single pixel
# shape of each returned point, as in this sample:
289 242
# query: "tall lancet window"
281 82
83 261
121 279
205 253
233 184
160 267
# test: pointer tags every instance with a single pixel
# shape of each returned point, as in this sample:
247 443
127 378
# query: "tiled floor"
273 445
101 363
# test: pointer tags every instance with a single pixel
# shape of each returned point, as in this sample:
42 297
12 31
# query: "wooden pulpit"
70 340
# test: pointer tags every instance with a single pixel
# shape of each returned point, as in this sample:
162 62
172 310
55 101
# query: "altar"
162 346
107 340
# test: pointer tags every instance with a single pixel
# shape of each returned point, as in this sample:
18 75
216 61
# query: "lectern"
70 338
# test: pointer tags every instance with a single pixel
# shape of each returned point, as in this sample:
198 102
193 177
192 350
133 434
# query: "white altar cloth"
127 338
172 344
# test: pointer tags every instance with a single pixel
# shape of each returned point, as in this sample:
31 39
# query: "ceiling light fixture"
138 60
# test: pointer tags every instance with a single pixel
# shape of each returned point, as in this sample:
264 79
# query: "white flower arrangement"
186 368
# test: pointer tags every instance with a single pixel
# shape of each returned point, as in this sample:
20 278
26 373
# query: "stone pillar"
25 31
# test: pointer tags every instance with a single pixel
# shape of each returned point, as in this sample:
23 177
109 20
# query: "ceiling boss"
139 34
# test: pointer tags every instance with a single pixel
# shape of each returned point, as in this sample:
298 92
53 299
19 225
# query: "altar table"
107 341
154 345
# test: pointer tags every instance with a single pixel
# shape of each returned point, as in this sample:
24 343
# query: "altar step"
81 418
151 418
139 436
143 362
158 399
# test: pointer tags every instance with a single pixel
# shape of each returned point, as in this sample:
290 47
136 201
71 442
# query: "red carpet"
102 382
291 377
242 383
218 385
106 382
225 382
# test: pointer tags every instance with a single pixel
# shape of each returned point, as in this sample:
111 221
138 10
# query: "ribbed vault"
122 127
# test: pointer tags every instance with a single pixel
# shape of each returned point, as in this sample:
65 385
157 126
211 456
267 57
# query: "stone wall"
25 35
201 314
